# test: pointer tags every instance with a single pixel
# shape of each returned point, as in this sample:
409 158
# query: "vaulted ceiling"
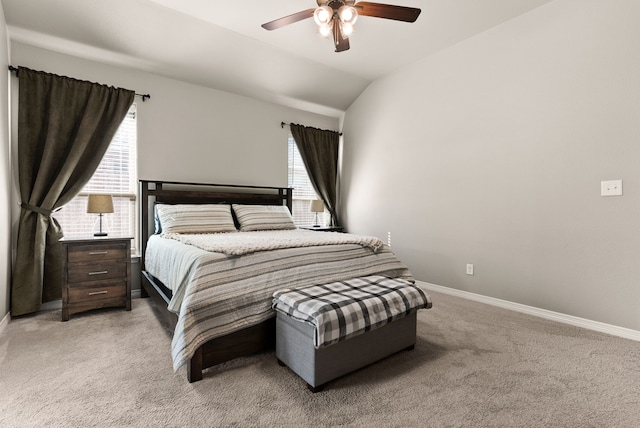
221 44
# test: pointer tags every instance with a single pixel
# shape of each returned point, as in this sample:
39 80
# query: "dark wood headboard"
175 192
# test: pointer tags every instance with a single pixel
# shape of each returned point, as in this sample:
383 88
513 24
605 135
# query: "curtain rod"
144 97
283 124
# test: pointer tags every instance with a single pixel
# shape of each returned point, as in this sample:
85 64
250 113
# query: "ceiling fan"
336 17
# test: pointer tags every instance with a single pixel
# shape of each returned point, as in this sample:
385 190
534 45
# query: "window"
303 192
117 176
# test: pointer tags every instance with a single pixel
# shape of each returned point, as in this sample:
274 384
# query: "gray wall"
5 174
492 152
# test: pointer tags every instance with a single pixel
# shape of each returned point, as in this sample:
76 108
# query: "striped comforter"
216 294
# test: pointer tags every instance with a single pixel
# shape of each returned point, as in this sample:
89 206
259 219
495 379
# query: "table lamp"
100 204
316 206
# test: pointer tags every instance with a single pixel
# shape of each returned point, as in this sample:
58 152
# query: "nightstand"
324 228
97 274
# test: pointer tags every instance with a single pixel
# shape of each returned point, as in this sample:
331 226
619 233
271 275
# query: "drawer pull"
93 293
96 253
102 272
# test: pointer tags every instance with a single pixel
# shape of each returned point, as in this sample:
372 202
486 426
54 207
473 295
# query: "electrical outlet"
611 188
469 269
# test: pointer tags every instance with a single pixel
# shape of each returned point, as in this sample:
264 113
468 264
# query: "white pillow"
263 217
196 218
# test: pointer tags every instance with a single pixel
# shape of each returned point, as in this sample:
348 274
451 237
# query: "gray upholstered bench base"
294 348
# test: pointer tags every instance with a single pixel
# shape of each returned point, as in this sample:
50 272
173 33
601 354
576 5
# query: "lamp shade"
323 15
316 206
100 204
348 14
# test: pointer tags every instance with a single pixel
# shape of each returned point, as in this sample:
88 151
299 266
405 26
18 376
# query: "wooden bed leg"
194 366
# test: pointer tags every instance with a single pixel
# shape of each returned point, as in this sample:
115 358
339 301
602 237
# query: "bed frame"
247 341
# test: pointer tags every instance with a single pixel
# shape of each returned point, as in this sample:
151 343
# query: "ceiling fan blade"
289 19
388 11
340 42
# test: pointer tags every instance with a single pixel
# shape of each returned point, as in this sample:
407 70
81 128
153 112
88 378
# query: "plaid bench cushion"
344 309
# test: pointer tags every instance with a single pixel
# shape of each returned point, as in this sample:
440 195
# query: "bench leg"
315 389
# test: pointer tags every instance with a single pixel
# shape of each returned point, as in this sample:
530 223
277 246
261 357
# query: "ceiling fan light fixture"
323 15
325 30
346 28
348 14
337 18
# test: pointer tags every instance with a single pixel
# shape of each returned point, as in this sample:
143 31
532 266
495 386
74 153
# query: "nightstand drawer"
89 253
88 294
83 272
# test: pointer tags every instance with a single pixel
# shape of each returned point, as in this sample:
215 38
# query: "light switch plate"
611 188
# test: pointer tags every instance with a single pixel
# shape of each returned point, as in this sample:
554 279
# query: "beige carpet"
474 365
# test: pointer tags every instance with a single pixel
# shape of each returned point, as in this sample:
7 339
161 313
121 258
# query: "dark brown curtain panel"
64 128
319 150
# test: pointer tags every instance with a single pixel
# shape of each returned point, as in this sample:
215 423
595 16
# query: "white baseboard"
614 330
5 321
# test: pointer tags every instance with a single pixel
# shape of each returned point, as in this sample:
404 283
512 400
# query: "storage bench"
297 340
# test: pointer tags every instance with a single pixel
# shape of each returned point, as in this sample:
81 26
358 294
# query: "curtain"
319 150
64 128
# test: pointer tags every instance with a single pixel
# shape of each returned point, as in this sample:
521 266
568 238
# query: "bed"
212 292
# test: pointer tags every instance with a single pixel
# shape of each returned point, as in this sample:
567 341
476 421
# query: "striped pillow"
263 217
197 218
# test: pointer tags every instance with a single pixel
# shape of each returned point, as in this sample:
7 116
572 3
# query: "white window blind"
303 192
116 176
